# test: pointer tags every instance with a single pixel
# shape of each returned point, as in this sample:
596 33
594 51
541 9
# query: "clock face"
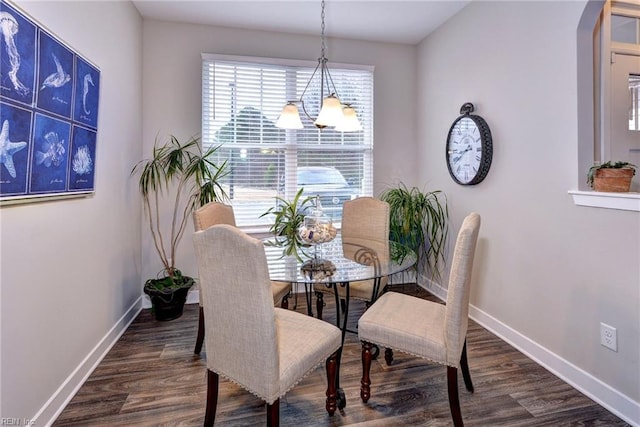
469 150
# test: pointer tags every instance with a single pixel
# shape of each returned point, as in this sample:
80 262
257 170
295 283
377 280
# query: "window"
625 29
241 101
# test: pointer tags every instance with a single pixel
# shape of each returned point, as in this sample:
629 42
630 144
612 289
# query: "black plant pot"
168 304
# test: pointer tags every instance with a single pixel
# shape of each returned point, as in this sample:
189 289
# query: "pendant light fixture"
333 113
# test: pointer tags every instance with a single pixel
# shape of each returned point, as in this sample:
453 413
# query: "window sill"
594 199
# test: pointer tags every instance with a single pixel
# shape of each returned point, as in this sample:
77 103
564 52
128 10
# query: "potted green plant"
188 172
288 218
419 221
613 177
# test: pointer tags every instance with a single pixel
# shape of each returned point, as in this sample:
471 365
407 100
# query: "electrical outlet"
608 336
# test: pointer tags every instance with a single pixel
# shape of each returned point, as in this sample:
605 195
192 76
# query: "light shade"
289 118
350 123
331 113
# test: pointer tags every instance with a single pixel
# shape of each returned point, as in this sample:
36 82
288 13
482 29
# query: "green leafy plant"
288 218
608 165
194 178
419 221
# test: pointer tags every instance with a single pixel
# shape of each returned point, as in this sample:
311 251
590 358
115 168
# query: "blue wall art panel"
83 157
18 54
15 138
49 160
87 87
49 101
55 69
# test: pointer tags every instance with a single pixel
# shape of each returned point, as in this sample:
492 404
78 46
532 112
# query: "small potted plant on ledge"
611 177
195 180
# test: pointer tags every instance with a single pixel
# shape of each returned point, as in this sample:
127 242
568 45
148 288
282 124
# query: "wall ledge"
595 199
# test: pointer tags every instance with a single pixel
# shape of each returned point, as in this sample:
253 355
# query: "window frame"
289 144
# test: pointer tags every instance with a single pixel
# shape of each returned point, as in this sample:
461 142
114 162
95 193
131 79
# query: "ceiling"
396 21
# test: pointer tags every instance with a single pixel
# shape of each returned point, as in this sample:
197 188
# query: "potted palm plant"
612 177
190 174
418 220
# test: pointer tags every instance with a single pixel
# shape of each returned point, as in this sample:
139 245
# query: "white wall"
71 269
540 275
547 272
172 95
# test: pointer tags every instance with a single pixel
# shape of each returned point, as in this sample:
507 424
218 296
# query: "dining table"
336 264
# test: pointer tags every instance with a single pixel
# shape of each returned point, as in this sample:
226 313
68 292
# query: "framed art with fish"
49 101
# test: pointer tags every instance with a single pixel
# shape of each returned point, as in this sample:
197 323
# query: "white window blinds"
241 101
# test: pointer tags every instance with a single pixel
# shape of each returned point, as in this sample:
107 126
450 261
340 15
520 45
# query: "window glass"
241 102
625 29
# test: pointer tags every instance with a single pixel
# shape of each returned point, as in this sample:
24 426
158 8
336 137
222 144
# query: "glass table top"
289 269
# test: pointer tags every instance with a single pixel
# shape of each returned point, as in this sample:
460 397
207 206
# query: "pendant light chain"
322 40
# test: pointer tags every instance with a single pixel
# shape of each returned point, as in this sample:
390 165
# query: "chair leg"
212 398
454 401
332 393
343 304
273 414
388 356
200 336
464 365
285 302
365 382
319 304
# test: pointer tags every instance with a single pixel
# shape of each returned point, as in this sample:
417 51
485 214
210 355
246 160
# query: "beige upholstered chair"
214 213
262 348
423 328
365 224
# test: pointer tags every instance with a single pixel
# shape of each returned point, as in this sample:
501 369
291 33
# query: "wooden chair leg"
273 414
212 398
388 356
464 365
285 302
200 336
332 393
365 382
319 304
454 401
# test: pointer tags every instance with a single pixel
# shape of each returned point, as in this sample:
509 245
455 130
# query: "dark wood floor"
151 378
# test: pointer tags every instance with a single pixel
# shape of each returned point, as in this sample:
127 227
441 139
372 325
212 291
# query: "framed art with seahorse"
49 100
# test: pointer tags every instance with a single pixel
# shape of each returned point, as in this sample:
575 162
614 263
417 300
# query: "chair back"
211 214
365 223
457 308
238 308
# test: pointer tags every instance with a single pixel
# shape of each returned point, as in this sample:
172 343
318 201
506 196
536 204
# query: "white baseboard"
56 403
614 401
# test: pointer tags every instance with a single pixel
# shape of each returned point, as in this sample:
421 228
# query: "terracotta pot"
614 180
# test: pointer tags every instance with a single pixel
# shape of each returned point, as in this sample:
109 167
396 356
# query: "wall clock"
469 147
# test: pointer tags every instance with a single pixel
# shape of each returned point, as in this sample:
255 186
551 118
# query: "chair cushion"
405 323
280 289
304 343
